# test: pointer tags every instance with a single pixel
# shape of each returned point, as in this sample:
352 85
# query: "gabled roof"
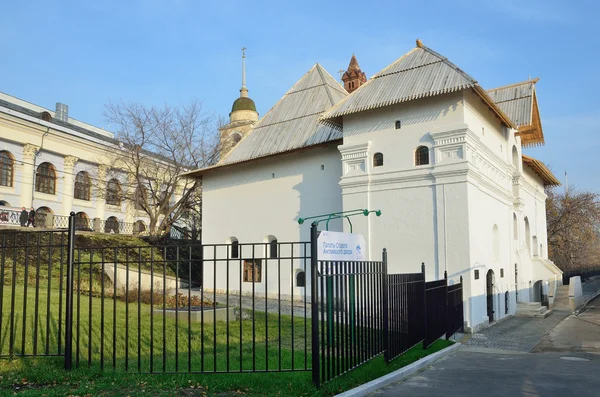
543 172
519 102
420 73
292 123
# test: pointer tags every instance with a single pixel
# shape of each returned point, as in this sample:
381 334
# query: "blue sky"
85 53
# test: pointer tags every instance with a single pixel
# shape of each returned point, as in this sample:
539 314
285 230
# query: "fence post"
69 297
386 319
462 305
314 307
446 298
424 305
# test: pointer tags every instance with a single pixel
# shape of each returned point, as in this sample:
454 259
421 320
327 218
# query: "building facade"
441 157
56 164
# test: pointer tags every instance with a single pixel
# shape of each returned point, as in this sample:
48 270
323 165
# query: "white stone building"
51 162
423 142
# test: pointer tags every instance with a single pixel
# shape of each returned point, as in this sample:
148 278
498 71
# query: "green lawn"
44 377
163 347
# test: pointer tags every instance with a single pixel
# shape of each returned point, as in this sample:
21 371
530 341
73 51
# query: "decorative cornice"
354 151
449 135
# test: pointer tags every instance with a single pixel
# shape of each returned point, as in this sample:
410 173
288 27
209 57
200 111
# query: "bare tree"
158 145
573 229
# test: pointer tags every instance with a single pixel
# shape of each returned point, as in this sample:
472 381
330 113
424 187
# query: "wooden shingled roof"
541 170
519 102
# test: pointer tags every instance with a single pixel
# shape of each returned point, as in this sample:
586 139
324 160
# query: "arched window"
496 242
527 234
43 217
377 160
515 227
6 169
235 247
273 247
82 186
301 279
45 179
422 155
535 246
139 227
236 137
515 157
46 116
111 225
113 192
82 221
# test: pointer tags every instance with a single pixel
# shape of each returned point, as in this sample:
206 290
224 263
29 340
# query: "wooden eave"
541 170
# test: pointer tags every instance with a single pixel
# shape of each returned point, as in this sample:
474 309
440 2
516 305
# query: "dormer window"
377 160
46 116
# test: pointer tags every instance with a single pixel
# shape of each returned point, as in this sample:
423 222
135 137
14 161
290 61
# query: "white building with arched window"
53 163
455 190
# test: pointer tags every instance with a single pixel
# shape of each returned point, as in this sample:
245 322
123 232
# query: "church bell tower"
353 77
242 118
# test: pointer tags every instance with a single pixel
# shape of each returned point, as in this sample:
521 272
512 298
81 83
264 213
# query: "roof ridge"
404 70
292 119
449 63
529 81
307 88
320 70
513 99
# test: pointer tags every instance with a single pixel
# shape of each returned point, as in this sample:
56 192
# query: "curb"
399 374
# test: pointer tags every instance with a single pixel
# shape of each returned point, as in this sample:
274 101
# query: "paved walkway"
522 334
501 375
497 362
579 333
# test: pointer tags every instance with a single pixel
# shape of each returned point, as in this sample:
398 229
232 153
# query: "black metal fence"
455 313
584 273
32 292
364 312
350 313
211 308
192 308
406 315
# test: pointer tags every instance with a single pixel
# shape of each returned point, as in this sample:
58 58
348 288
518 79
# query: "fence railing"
10 217
192 308
405 311
32 292
211 308
584 273
350 308
60 221
364 312
455 314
